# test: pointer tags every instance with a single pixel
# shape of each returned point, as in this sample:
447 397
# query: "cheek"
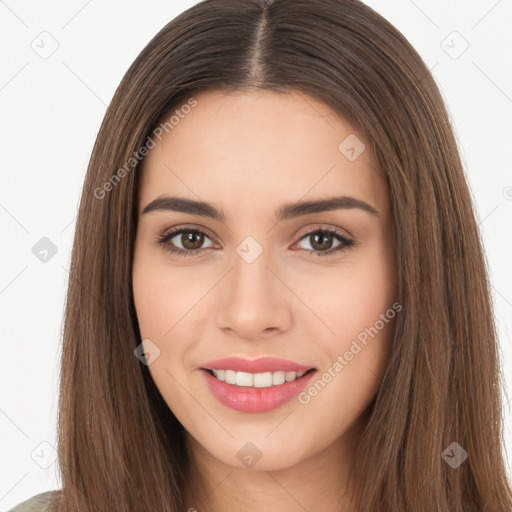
356 357
167 302
366 296
149 299
354 298
163 296
160 308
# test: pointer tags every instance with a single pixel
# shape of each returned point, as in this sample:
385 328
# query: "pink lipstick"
255 385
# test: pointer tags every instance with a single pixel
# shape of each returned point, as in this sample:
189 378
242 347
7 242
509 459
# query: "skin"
249 153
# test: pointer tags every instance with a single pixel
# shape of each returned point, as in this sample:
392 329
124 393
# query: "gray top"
38 503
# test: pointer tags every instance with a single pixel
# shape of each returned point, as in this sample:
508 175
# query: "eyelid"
322 226
175 230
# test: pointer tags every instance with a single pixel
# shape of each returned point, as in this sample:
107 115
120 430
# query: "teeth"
230 376
290 376
243 379
278 378
257 380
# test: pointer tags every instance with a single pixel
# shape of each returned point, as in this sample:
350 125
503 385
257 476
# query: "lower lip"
251 399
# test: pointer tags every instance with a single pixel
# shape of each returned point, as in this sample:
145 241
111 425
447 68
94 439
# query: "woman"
211 359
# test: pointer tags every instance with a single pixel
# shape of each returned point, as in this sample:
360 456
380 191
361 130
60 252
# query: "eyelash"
163 241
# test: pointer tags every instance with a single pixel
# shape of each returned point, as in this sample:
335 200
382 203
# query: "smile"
257 380
253 399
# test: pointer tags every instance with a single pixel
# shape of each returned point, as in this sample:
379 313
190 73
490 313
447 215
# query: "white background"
50 113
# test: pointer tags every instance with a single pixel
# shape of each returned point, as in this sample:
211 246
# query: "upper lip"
260 365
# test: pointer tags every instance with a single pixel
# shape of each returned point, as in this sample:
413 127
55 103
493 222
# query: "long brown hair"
120 447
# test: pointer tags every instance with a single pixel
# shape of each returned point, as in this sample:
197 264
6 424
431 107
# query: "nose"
253 302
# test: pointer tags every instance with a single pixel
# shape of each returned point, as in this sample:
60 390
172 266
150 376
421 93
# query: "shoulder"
38 503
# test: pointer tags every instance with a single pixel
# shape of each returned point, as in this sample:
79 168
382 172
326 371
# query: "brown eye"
189 242
192 240
321 240
184 242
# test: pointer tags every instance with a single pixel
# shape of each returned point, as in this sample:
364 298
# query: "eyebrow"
288 211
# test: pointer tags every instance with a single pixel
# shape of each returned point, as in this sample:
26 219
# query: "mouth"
255 386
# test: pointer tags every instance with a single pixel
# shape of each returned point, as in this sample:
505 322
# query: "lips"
257 398
260 365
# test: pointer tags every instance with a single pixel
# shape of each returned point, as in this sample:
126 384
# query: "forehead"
258 148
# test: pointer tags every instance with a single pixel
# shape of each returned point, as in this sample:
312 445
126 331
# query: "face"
301 303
